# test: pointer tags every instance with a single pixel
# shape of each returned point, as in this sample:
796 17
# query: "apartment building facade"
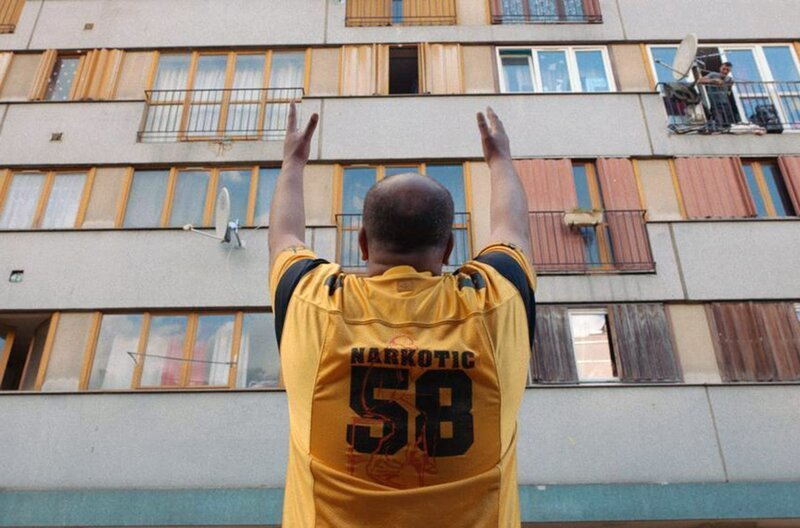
140 379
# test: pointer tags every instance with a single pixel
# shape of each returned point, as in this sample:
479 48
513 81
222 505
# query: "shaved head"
408 213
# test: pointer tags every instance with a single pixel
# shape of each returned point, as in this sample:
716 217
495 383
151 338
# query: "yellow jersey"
403 390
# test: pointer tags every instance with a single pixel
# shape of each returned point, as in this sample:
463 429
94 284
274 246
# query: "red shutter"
497 11
551 191
626 225
790 167
714 188
742 354
780 333
591 9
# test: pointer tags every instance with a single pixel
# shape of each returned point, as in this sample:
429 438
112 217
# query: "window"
551 70
797 312
403 70
394 12
594 357
357 180
184 350
38 200
10 11
174 198
77 76
545 11
62 78
625 342
25 340
767 189
223 95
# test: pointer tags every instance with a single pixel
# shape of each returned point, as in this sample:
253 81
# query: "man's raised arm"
287 216
509 205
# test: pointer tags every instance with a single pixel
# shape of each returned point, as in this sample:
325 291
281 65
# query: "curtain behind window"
22 198
64 201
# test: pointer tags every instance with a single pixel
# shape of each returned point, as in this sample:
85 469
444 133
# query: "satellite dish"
222 213
685 57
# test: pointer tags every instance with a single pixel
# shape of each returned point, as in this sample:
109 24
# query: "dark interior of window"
24 327
403 70
711 58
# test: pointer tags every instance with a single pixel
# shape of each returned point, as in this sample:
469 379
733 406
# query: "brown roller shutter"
551 189
591 9
741 351
553 359
790 167
643 343
497 11
714 188
780 331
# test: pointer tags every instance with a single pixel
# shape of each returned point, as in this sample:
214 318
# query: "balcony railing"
746 107
400 12
620 243
546 12
218 114
348 254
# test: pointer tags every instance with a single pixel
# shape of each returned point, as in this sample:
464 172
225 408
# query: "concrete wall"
238 439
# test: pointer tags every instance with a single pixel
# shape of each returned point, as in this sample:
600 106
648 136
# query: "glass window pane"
61 78
238 184
189 202
666 56
211 353
173 72
744 65
755 193
288 70
115 354
592 71
512 8
391 171
777 190
554 71
781 63
22 198
517 74
259 363
452 177
543 9
357 181
163 356
64 201
581 179
249 75
591 345
210 74
267 178
146 200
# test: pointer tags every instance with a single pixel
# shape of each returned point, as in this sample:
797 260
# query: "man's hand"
297 145
496 146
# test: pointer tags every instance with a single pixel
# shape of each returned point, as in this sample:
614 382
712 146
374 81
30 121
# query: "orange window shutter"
442 68
790 168
591 8
368 12
713 188
42 76
5 62
381 82
10 11
357 70
551 191
86 69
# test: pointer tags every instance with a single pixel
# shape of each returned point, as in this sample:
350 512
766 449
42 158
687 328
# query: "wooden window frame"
763 187
595 194
5 352
572 67
44 196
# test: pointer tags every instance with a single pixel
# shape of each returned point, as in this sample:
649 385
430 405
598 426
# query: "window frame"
209 201
183 134
763 188
576 86
8 334
613 356
44 196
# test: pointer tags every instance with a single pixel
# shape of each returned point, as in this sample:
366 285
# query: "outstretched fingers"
311 127
483 126
497 125
291 124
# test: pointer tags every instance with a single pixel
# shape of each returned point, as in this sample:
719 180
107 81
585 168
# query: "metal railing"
217 114
745 107
546 12
619 243
365 13
348 253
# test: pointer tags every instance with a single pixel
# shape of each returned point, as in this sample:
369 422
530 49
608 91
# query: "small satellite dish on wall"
685 57
224 230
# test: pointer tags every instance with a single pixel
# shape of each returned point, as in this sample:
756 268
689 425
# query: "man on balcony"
395 379
719 87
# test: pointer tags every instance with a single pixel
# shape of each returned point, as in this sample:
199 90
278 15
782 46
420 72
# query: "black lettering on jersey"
455 359
374 356
390 356
407 357
441 356
357 356
467 360
424 358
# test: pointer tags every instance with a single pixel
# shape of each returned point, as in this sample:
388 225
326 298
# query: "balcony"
750 108
371 13
546 12
619 243
348 253
216 115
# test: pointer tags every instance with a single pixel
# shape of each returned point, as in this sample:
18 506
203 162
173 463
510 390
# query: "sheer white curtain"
21 200
64 201
166 114
220 355
543 8
288 71
248 80
206 96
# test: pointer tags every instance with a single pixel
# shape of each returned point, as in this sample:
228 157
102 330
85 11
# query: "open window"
23 341
404 70
594 354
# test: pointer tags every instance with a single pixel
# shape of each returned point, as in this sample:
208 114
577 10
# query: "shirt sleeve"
512 264
289 268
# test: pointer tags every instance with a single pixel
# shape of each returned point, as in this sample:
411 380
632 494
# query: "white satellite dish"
224 230
222 213
685 57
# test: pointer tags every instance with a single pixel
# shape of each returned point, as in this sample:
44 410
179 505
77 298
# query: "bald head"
408 213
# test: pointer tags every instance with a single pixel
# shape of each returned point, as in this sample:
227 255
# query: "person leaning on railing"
719 87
